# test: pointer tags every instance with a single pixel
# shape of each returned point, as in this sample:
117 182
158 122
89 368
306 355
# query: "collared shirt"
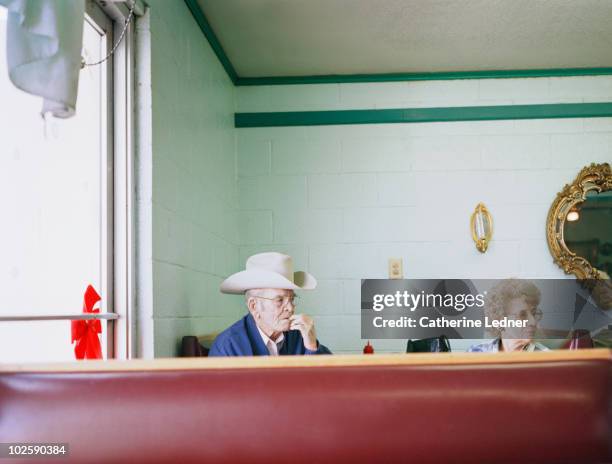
272 346
493 346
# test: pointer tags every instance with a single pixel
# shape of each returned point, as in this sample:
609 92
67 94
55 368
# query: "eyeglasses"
280 301
536 314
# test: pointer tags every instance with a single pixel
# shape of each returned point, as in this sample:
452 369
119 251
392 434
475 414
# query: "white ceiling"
315 37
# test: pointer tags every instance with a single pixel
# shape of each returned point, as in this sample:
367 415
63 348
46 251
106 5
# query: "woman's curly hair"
502 292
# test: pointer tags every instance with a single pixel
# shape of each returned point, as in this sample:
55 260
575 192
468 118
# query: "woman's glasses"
535 314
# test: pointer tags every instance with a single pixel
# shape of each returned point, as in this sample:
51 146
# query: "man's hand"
305 325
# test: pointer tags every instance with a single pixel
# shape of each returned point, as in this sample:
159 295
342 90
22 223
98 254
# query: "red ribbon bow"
85 333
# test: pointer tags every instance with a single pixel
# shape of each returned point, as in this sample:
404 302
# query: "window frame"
120 254
118 246
116 178
100 21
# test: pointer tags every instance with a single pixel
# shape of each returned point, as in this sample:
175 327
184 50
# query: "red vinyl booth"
548 407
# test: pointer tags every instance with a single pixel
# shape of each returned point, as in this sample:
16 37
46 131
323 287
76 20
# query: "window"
62 187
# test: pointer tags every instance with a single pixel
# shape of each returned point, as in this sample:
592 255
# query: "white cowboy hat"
268 270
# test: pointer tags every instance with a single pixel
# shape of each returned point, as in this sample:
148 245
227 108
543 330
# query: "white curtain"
44 41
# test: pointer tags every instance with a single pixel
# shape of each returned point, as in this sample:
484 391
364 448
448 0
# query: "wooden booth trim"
271 362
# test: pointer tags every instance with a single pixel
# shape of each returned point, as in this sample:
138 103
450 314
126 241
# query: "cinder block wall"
195 228
343 199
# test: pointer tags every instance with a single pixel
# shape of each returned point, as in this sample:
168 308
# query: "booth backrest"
426 408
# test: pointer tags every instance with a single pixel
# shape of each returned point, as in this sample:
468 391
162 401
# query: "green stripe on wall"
412 115
432 76
210 35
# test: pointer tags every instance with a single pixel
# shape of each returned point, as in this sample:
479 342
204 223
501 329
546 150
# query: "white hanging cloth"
44 41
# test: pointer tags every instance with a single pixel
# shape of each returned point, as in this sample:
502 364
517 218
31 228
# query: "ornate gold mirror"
579 224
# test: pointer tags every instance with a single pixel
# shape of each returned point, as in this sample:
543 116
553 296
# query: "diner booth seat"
541 407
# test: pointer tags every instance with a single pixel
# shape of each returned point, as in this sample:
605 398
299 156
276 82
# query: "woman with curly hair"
513 300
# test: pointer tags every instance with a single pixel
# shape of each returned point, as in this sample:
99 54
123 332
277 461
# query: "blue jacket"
243 339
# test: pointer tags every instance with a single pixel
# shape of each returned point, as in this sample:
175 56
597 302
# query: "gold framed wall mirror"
579 224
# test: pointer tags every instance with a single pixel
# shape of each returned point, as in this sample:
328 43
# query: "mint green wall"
195 229
344 199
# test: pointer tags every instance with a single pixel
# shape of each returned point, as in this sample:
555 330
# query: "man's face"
272 308
520 308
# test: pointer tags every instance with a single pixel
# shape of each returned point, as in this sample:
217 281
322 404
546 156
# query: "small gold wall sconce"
482 227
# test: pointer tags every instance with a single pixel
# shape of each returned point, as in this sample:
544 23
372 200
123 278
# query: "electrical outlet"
396 270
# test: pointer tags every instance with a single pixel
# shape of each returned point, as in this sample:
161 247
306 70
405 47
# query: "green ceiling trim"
431 76
200 18
210 35
413 115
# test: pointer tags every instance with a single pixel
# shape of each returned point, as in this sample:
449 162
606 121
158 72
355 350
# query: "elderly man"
271 328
